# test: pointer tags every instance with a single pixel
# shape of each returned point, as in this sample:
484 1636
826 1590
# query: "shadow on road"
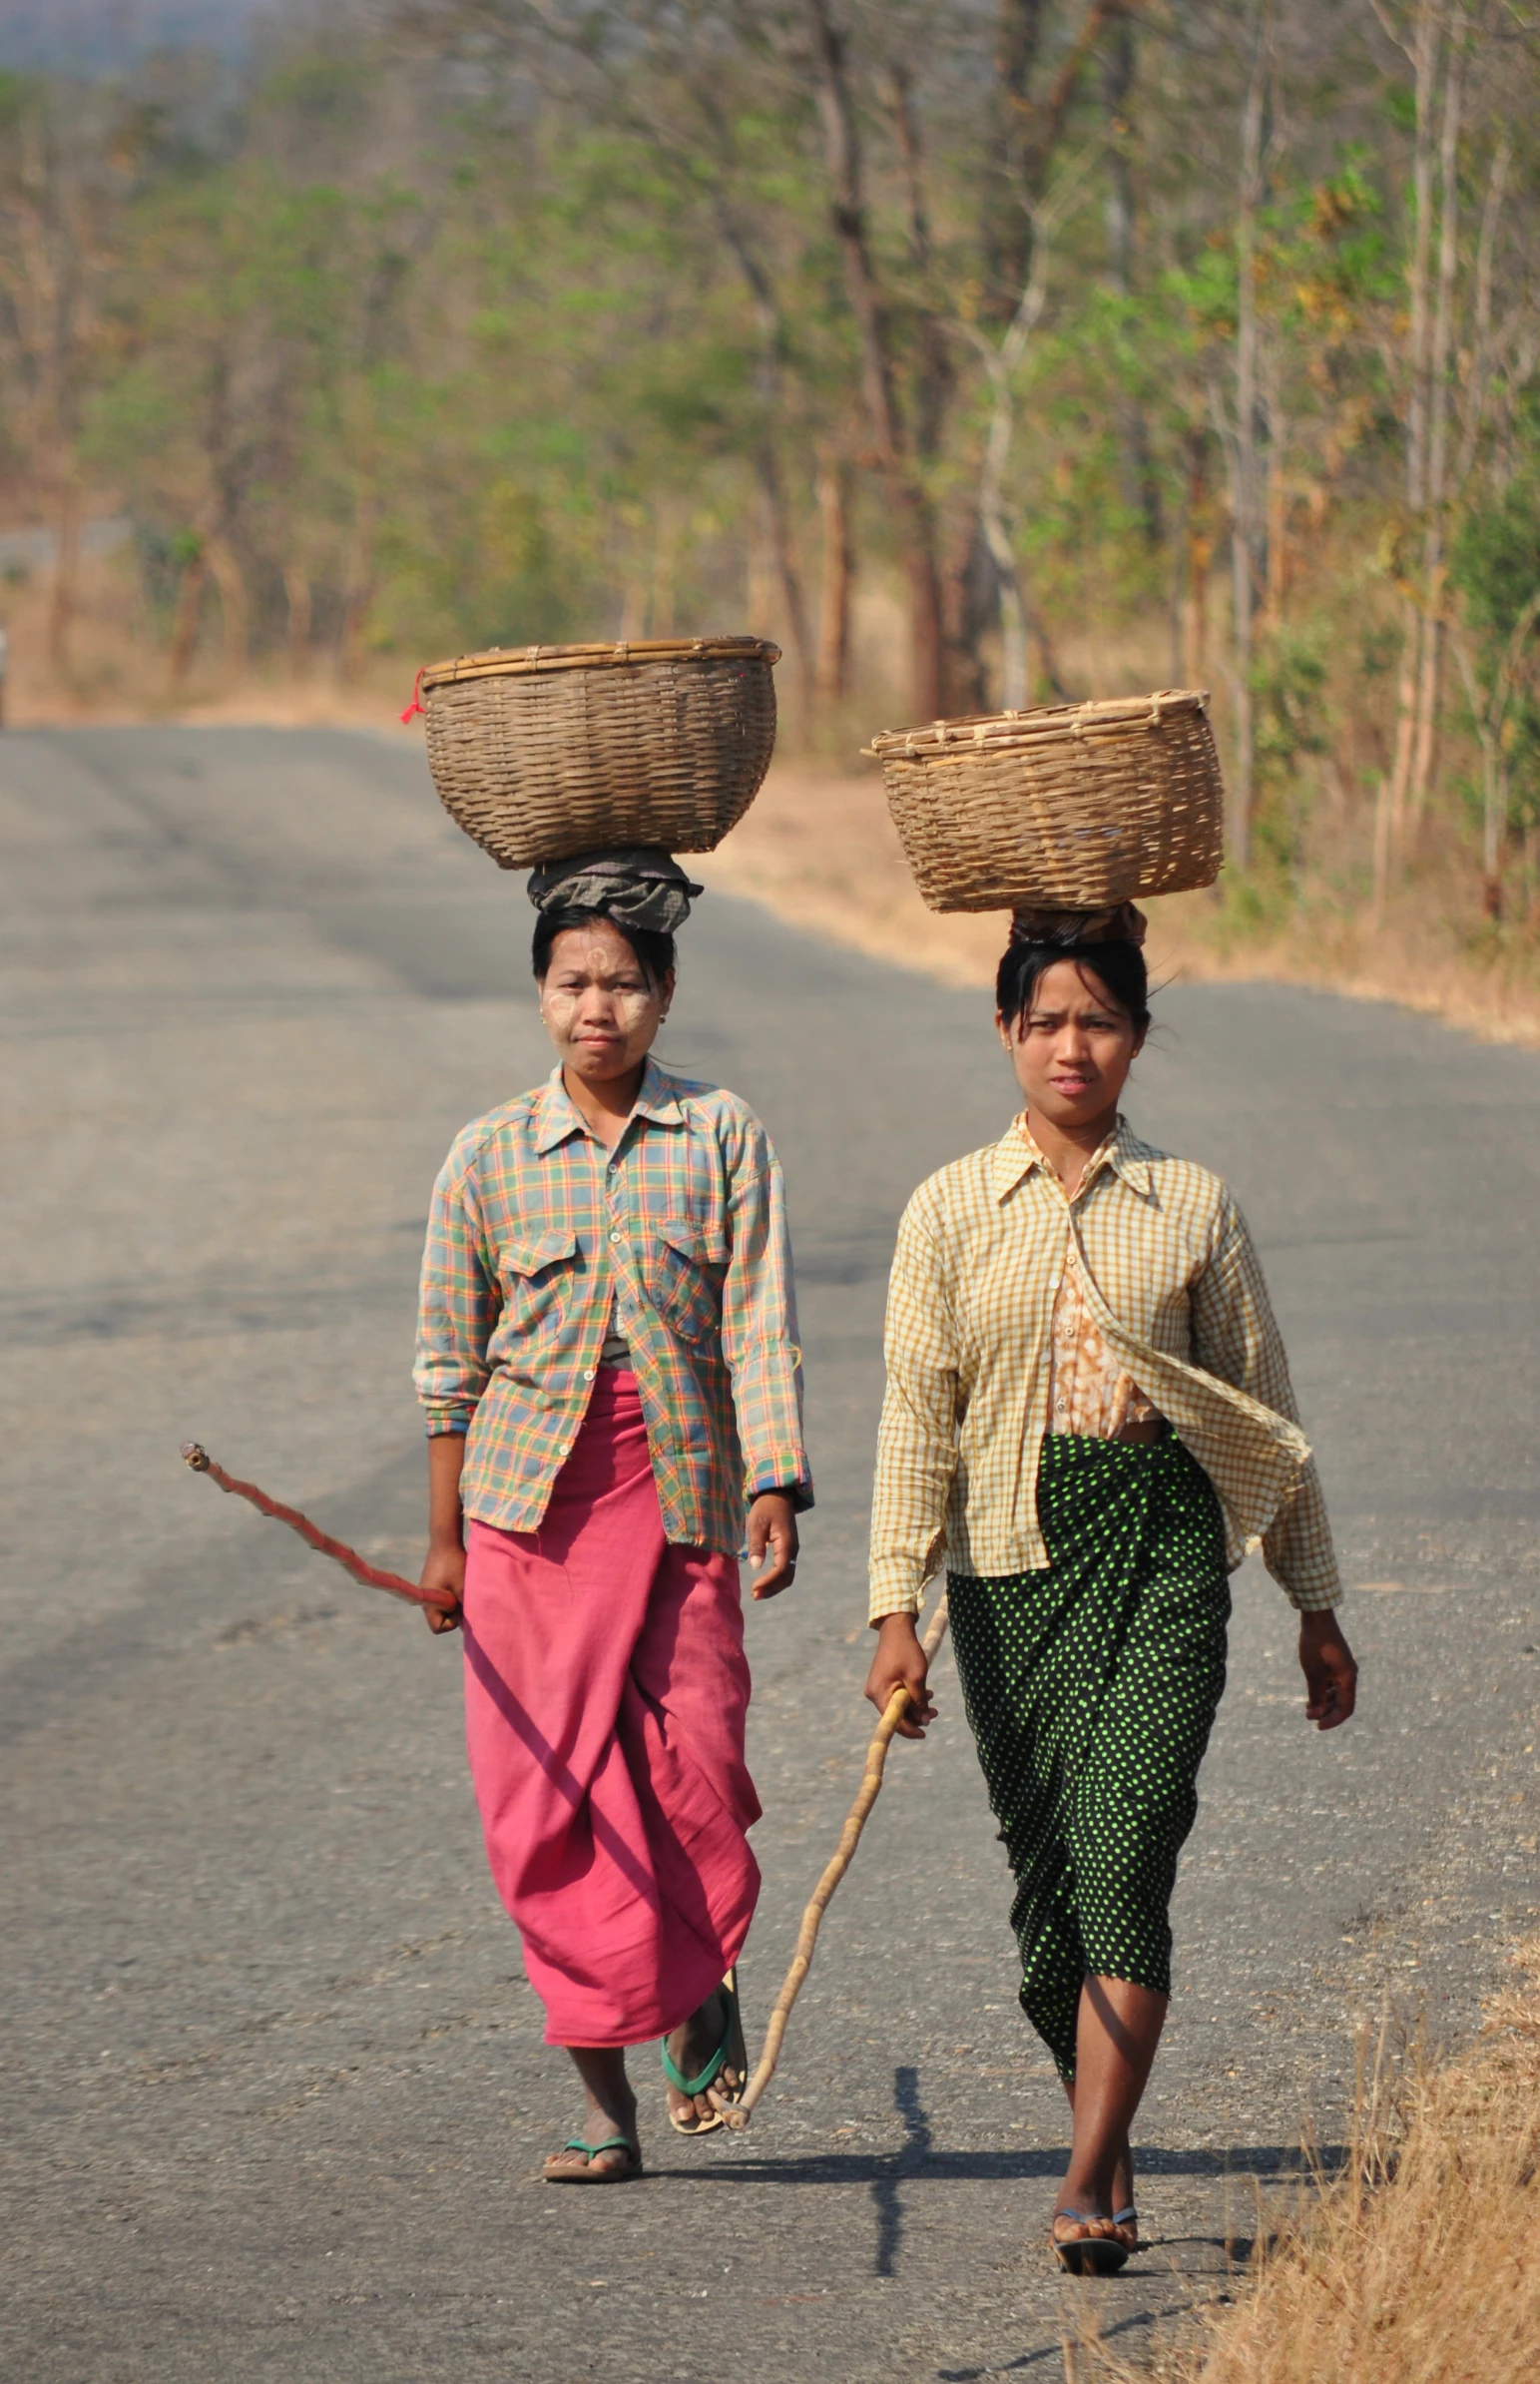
1264 2161
885 2174
1056 2350
908 2161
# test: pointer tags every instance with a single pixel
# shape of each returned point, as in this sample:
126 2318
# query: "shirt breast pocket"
685 1276
537 1279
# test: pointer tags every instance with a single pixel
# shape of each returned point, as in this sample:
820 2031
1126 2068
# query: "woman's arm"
444 1568
773 1542
916 1461
1236 1337
457 1306
458 1303
902 1662
759 1331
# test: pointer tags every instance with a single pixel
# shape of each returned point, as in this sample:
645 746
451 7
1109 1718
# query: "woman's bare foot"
691 2047
1086 2244
611 2162
610 2109
1123 2195
1120 2197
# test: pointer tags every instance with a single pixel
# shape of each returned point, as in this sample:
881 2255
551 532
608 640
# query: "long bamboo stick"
738 2113
339 1550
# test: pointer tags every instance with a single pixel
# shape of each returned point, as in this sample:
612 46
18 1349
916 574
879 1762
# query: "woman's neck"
605 1107
1069 1149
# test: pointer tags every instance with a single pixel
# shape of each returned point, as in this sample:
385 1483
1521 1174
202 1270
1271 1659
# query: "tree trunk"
927 644
833 664
296 592
1140 487
935 377
184 628
1245 494
1007 226
760 595
633 612
1027 131
1430 669
1424 52
991 512
1197 563
235 611
777 533
1390 801
909 503
66 576
768 475
358 592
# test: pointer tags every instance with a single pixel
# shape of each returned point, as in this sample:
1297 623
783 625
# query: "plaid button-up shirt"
1174 1286
536 1230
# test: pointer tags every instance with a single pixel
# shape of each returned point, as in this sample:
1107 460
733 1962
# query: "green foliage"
1290 685
409 351
1497 559
1496 568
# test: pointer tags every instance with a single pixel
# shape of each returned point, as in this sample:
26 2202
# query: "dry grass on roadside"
1418 2264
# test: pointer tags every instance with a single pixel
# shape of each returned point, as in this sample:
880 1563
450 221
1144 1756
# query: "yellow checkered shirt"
1175 1287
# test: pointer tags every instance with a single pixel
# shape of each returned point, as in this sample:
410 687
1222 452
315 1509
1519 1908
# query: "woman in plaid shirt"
1089 1416
606 1357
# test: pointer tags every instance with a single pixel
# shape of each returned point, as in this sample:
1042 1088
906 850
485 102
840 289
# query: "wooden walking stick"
339 1550
738 2113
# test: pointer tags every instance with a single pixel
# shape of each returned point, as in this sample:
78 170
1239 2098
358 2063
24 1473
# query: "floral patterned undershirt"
1089 1393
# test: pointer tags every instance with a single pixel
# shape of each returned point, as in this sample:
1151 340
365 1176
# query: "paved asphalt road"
273 2082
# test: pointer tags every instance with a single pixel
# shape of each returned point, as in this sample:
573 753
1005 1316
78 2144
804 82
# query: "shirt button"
616 1235
588 1377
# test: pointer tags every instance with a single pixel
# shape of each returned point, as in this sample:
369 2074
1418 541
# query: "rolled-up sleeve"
758 1319
1236 1337
457 1306
917 1436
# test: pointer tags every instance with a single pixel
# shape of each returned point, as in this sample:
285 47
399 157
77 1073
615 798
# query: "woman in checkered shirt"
606 1357
1089 1417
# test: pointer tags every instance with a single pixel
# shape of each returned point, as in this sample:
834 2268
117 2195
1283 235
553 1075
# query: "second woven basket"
1072 807
545 750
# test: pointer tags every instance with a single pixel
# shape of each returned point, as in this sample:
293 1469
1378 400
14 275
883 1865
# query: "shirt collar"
555 1118
1016 1155
658 1098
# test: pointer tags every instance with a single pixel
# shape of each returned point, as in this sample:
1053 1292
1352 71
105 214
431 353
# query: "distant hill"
94 36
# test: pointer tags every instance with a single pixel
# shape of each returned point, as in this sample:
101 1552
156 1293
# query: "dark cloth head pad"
638 885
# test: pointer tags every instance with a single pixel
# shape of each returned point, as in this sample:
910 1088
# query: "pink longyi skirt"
606 1692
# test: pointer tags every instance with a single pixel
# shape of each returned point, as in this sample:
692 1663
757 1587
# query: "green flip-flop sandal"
732 2048
557 2172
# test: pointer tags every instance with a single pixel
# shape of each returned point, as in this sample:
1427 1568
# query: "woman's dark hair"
1118 966
655 953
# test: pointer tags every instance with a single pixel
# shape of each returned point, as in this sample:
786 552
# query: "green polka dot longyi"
1091 1689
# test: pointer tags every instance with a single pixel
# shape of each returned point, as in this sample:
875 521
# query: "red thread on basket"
415 706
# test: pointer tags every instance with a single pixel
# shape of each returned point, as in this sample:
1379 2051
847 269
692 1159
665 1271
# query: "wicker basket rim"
997 732
520 662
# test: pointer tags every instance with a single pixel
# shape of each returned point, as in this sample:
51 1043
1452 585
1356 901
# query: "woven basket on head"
1075 806
542 751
